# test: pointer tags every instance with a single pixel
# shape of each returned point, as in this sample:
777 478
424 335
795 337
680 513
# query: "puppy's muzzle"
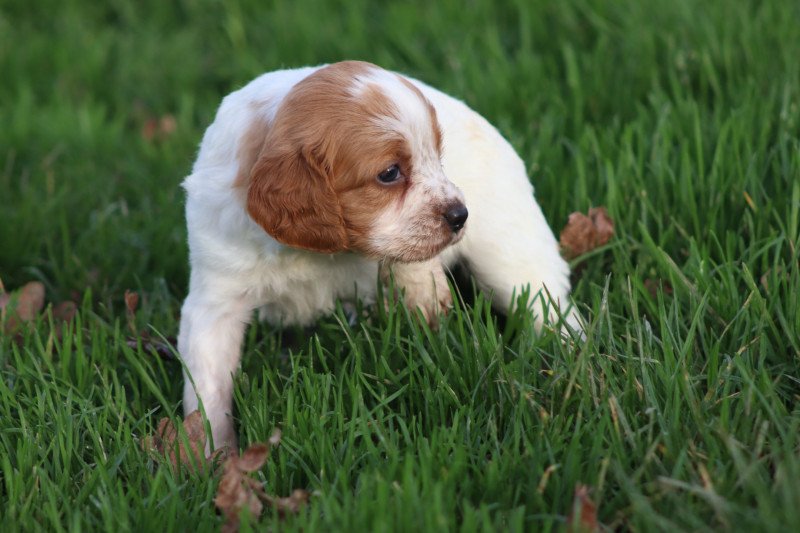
456 216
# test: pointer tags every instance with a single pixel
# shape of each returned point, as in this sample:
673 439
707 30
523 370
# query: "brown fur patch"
296 204
363 197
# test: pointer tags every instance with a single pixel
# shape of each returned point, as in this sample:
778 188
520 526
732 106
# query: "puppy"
313 183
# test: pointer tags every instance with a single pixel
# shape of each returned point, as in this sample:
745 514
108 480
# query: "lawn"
678 411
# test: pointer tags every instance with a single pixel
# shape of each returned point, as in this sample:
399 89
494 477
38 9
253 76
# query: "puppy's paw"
224 438
424 286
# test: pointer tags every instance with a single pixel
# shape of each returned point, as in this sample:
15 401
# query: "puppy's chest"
299 288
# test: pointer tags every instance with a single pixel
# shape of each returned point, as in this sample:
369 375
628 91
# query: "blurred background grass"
568 82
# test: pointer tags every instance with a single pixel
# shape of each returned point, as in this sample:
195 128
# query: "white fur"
237 267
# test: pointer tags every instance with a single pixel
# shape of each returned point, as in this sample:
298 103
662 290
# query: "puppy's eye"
389 175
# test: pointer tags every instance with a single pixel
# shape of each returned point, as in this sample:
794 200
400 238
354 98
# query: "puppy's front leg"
210 342
510 247
424 284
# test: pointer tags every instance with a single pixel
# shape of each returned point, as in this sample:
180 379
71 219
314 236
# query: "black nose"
456 216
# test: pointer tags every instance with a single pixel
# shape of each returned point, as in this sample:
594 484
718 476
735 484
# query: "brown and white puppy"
312 183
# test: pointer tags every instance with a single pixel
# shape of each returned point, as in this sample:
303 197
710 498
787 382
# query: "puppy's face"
352 161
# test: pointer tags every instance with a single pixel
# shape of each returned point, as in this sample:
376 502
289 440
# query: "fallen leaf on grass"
652 286
238 491
131 303
65 311
30 301
583 515
777 274
187 452
289 505
63 314
4 298
584 233
165 349
158 128
23 305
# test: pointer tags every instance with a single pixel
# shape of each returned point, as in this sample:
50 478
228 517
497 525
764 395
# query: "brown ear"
294 202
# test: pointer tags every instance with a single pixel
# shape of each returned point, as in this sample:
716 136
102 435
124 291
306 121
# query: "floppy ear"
294 202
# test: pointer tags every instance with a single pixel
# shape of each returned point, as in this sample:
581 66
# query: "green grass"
679 409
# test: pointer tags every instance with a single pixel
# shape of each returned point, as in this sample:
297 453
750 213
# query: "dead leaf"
289 505
131 303
65 311
583 515
167 125
149 128
778 274
158 128
275 438
22 306
188 451
653 285
30 301
238 491
253 458
165 349
63 314
584 233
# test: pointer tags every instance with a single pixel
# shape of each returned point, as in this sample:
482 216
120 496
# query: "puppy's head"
352 161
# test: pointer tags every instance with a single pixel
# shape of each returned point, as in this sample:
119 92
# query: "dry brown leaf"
188 451
653 285
583 515
167 125
253 458
63 314
289 505
238 491
149 129
25 304
31 301
275 438
65 311
158 128
584 233
22 306
165 349
131 301
778 274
